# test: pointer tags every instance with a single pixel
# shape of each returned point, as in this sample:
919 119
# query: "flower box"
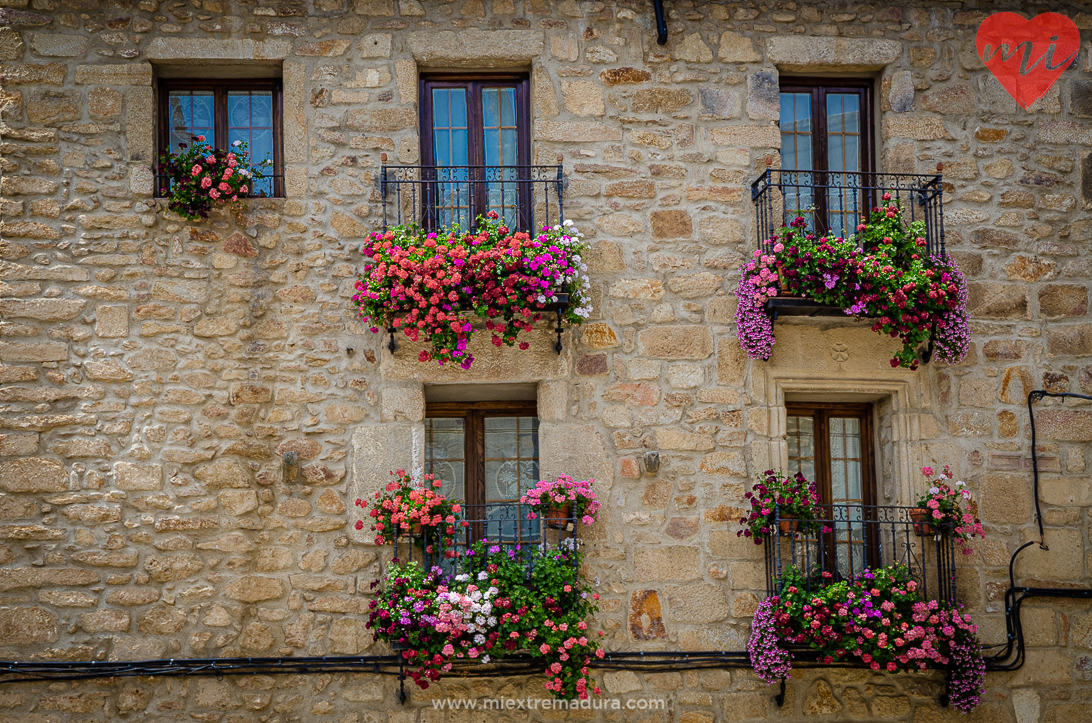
877 620
429 285
884 274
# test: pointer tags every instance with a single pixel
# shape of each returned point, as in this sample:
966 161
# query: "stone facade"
154 372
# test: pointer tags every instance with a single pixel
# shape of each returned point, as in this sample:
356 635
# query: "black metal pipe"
1015 596
661 22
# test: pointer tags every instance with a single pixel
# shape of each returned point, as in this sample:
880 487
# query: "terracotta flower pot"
559 516
788 527
922 526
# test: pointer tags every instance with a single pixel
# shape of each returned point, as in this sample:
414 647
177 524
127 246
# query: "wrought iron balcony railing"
835 201
525 197
504 525
846 539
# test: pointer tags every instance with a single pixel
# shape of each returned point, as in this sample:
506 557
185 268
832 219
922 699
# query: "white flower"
492 621
483 575
237 143
462 578
960 483
485 659
479 639
934 490
568 223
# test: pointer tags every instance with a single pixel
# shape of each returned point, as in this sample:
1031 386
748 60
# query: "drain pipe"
661 22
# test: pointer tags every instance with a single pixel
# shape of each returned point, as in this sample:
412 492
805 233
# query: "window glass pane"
801 434
500 140
843 111
491 107
450 148
511 457
796 130
449 126
508 107
250 120
445 454
845 460
191 114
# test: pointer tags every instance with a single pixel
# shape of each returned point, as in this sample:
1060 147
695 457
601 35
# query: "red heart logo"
1027 56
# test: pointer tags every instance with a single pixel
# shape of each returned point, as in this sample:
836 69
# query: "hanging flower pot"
922 526
788 527
560 516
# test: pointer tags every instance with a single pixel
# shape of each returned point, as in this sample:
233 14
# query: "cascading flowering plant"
547 495
428 284
882 273
944 508
511 598
407 509
199 176
877 618
776 497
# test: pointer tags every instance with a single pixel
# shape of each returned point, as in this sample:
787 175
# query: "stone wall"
153 372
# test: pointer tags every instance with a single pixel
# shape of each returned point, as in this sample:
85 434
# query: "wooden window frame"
818 88
821 412
220 90
475 414
475 83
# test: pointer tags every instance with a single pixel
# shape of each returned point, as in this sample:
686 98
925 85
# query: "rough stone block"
20 626
576 131
55 45
667 563
51 107
112 321
671 224
675 342
583 97
735 48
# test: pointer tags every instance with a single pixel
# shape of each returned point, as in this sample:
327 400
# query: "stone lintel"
815 54
477 48
192 51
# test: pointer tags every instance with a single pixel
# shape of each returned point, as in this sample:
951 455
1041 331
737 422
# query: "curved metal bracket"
391 345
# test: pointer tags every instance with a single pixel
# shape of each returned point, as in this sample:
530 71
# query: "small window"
475 137
826 128
224 112
832 445
486 453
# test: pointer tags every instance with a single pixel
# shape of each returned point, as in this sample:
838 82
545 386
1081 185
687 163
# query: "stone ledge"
803 54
